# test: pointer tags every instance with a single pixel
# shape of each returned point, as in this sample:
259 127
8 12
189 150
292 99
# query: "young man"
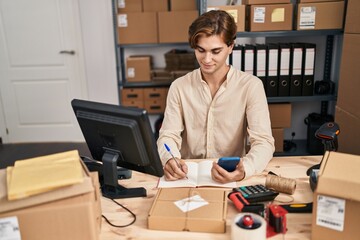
211 110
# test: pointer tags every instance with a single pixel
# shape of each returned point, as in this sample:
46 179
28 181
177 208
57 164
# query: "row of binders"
286 69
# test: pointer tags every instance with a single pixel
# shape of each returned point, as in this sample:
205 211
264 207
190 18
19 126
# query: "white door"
41 69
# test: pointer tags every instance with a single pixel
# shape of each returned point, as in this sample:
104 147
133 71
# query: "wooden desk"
299 225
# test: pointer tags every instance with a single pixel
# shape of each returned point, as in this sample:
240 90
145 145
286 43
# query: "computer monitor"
118 136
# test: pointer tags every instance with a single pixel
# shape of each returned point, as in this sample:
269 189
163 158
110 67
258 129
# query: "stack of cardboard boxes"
347 113
149 22
280 117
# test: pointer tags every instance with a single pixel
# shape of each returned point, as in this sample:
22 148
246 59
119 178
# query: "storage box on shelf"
237 11
270 17
320 15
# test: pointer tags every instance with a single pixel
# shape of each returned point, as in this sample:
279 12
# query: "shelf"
293 33
146 84
300 149
313 98
152 45
302 98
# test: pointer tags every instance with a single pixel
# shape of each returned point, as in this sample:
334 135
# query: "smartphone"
229 163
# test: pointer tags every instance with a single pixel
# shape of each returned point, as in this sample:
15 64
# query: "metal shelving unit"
333 39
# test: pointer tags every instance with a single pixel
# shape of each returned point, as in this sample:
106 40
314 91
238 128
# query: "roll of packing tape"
248 226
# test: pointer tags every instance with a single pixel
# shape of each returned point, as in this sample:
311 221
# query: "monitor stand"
111 188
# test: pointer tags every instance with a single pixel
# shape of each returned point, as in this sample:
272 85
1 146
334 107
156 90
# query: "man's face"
211 53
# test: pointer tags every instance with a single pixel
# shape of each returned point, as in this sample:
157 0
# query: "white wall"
99 49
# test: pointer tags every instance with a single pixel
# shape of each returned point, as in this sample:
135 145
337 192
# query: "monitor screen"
118 136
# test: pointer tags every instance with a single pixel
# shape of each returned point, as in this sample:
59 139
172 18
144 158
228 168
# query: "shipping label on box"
72 212
138 69
320 15
270 17
137 27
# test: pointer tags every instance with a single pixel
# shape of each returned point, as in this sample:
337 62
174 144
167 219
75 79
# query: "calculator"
256 193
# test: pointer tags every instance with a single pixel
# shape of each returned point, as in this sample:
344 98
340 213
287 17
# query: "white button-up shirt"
197 126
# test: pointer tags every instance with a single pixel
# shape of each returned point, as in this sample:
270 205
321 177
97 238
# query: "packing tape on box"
248 226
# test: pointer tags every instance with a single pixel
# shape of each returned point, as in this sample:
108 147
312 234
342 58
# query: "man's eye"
200 50
216 52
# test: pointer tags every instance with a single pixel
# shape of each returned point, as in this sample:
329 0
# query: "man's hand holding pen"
175 169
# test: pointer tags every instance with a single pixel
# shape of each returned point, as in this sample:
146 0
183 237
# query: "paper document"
199 175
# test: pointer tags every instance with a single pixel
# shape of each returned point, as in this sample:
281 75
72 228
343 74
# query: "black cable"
90 160
121 226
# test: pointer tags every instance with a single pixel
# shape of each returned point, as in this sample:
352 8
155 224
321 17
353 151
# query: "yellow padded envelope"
37 175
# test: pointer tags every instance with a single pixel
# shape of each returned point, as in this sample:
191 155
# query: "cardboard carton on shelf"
137 27
174 26
138 68
126 6
155 5
270 17
183 5
252 2
237 11
280 115
320 15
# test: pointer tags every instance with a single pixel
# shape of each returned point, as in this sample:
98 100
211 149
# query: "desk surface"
299 225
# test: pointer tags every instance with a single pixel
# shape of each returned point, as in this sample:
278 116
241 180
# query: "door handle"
72 52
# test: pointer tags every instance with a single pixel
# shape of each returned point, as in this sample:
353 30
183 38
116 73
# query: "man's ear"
231 47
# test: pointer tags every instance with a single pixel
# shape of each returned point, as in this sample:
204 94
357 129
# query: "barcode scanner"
327 133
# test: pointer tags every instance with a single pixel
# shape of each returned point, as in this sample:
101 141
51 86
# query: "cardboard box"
165 215
278 134
174 26
349 83
180 60
349 131
138 69
323 15
126 6
270 17
136 28
161 74
132 94
237 11
154 93
252 2
72 212
280 115
312 1
155 106
352 22
155 5
337 198
132 103
183 5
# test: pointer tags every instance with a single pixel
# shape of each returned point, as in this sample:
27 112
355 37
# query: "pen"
168 149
